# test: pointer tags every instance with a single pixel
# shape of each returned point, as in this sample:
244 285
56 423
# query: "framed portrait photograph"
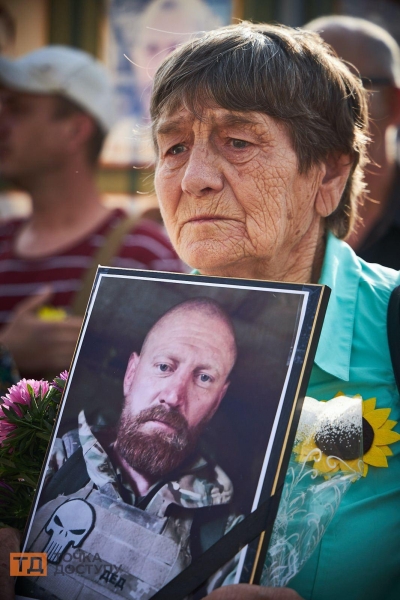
173 436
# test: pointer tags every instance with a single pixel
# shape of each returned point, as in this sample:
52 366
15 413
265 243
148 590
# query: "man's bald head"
195 306
367 46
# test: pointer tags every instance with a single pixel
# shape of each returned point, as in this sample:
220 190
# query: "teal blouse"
359 555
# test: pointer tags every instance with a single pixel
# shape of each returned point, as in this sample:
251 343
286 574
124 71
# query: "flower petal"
369 405
326 464
389 424
382 437
386 450
356 465
376 418
305 451
375 457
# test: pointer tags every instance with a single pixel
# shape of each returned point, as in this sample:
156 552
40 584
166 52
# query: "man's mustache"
168 416
156 452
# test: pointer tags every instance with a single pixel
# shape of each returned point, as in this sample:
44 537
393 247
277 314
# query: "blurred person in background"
55 112
375 54
7 30
163 25
8 371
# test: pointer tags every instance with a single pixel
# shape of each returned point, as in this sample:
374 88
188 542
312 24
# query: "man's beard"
159 452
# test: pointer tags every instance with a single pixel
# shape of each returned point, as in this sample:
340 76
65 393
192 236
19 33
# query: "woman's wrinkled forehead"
216 118
182 104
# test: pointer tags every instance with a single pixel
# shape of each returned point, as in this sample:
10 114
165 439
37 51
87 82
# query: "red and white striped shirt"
145 247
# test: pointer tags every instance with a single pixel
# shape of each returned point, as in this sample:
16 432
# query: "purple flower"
19 394
63 376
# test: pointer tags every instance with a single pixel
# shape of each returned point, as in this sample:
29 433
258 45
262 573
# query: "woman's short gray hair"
288 74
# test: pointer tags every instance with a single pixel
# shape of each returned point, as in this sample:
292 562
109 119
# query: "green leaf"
49 426
26 478
11 414
7 463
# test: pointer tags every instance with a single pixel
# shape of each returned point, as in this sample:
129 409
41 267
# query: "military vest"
99 547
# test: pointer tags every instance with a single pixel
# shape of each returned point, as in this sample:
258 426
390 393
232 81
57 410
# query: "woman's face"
231 196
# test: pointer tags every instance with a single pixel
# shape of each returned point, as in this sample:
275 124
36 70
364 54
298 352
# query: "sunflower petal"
365 470
352 466
386 450
368 405
338 394
375 457
382 437
304 449
326 464
356 465
376 418
389 424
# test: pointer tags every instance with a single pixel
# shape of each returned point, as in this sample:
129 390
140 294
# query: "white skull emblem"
69 526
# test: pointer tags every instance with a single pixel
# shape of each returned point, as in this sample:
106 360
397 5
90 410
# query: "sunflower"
332 452
377 435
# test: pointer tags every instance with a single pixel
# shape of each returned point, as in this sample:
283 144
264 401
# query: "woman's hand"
10 540
243 591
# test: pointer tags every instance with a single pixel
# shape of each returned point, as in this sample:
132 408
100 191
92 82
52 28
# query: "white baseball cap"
71 73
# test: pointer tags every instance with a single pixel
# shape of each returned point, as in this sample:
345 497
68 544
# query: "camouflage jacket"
200 485
146 547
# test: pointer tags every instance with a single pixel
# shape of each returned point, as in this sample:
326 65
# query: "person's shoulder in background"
9 228
147 246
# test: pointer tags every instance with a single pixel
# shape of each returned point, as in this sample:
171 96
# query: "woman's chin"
208 256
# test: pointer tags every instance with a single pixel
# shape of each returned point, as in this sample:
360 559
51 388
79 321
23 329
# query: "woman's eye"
239 143
178 149
164 368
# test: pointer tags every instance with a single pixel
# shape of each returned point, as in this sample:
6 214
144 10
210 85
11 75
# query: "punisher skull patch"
69 525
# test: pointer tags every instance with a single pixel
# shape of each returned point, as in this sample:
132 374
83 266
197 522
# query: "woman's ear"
336 169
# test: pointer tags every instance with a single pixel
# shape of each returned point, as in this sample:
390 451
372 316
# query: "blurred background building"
132 37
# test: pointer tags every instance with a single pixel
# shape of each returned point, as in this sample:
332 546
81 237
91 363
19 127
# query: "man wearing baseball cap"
55 111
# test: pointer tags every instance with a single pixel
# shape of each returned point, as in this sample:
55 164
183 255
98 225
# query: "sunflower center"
340 441
344 442
368 435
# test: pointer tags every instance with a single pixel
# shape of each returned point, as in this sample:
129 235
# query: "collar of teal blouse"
341 272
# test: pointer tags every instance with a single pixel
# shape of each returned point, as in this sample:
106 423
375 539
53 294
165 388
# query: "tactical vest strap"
69 479
209 525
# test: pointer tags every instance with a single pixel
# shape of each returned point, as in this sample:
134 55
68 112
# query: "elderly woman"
260 133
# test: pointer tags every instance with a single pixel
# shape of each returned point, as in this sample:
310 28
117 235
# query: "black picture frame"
277 326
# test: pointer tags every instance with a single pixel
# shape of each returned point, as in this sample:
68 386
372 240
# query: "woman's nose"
202 175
